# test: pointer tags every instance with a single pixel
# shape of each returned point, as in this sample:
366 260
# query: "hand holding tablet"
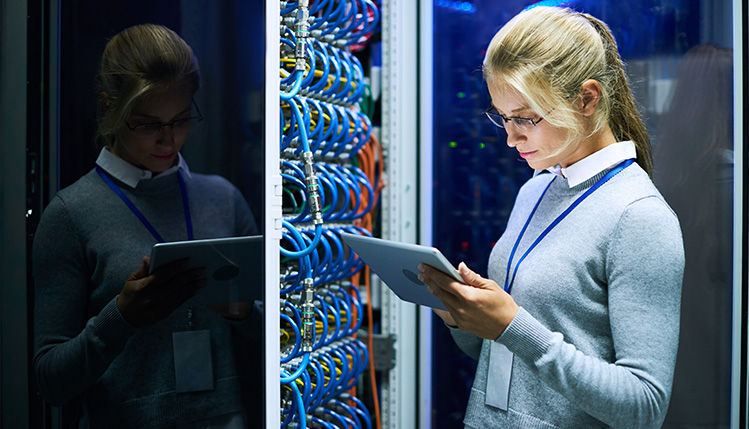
233 266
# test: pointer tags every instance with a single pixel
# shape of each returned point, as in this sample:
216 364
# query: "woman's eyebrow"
513 111
519 109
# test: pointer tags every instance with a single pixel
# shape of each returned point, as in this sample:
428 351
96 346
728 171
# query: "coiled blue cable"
315 134
349 16
362 178
323 423
317 393
358 72
356 37
360 409
289 379
332 381
307 80
348 410
335 17
297 339
285 96
359 306
354 19
333 309
324 336
295 279
306 250
322 265
319 50
334 61
345 421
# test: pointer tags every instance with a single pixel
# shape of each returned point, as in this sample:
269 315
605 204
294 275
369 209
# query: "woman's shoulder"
213 187
534 186
86 189
539 180
74 202
213 181
635 188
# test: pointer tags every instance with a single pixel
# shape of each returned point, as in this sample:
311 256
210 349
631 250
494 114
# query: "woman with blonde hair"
108 334
577 325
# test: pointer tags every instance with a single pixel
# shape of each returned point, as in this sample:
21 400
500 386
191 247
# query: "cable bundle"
330 185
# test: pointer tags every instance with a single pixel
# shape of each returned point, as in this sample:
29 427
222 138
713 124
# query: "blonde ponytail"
624 116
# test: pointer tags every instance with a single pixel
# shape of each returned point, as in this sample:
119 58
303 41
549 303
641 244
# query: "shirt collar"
595 163
129 174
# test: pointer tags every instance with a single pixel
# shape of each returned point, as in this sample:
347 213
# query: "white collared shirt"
129 174
596 162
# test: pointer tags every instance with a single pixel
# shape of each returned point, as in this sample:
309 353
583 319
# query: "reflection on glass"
694 159
127 374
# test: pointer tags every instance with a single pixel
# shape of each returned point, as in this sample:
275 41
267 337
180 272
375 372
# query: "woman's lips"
164 157
526 155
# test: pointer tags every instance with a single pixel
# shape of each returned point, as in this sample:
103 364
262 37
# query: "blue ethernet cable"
297 339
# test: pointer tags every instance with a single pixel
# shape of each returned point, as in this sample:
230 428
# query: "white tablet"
397 264
234 266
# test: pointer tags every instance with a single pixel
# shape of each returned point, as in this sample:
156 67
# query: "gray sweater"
87 244
596 336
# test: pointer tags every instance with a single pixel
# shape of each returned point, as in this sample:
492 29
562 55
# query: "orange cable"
367 163
370 331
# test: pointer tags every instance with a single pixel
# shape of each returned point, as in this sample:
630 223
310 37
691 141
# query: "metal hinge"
383 349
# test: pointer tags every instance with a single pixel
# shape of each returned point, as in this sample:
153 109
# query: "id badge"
193 361
498 379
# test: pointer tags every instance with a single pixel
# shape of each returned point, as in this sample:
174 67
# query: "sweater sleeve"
644 265
469 343
71 353
245 220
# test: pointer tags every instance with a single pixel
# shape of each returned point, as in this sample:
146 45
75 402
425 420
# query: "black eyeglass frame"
165 124
514 119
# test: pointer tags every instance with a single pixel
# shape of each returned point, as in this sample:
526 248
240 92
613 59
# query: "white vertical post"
426 103
272 218
739 387
400 199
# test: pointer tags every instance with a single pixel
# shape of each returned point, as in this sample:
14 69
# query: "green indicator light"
482 145
453 144
461 94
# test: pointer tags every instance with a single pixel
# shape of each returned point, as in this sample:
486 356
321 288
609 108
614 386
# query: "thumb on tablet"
471 278
142 271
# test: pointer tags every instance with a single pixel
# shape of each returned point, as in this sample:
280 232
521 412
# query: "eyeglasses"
178 125
501 121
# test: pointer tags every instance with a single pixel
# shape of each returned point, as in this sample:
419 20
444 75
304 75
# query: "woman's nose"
514 136
166 137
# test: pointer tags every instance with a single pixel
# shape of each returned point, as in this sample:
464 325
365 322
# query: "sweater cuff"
110 327
526 337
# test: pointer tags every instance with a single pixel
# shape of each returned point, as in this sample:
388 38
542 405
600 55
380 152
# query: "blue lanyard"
613 172
144 221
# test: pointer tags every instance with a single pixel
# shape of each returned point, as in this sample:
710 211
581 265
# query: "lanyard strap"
613 172
144 221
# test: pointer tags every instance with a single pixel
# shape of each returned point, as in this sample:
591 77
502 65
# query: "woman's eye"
150 127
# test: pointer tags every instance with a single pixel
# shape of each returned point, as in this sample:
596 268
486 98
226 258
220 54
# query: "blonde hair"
546 53
137 63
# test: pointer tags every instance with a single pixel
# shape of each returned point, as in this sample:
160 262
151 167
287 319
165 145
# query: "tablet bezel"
215 254
396 264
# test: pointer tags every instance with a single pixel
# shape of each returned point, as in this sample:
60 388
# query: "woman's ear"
590 93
